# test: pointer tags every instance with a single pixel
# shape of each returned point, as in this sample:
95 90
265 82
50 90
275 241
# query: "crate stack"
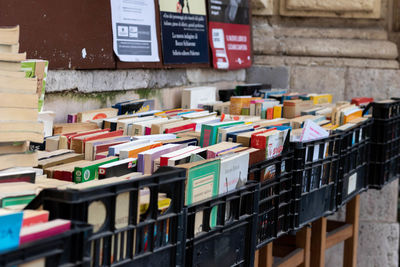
18 106
385 143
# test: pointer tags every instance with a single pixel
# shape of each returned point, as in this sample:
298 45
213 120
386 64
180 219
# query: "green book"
91 172
36 68
201 184
209 132
21 201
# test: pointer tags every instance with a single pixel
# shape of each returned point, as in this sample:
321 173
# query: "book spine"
205 136
187 127
147 131
270 113
258 142
140 163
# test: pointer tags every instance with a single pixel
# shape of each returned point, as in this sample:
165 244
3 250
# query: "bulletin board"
73 34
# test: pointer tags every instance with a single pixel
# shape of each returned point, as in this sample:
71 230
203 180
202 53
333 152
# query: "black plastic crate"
274 217
315 175
385 110
232 240
66 249
118 238
354 160
385 144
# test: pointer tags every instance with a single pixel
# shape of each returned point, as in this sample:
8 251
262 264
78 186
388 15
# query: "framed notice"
184 31
230 33
134 30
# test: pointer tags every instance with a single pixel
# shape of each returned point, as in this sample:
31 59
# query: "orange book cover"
134 153
352 116
270 114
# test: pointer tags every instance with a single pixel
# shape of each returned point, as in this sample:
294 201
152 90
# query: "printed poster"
230 33
134 30
184 31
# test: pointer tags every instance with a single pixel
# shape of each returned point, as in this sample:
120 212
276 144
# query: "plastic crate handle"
367 108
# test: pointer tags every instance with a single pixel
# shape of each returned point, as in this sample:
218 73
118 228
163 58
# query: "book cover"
91 172
44 230
134 106
98 146
117 168
233 172
32 217
146 159
164 158
133 152
184 128
209 132
10 225
17 176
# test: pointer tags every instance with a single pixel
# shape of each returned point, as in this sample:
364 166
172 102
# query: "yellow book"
277 112
352 116
321 99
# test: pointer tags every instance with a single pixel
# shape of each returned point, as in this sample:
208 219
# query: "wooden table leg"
265 258
350 245
303 240
318 242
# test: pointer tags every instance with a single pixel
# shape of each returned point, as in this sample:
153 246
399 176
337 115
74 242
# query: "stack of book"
19 106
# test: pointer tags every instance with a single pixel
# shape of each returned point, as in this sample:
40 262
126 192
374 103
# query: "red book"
43 230
102 136
70 137
270 114
184 128
32 217
361 100
260 142
147 131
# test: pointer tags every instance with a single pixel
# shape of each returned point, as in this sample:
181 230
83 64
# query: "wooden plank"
339 235
303 240
295 258
350 245
265 256
318 242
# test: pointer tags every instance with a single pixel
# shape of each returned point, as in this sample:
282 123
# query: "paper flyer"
184 31
230 33
134 30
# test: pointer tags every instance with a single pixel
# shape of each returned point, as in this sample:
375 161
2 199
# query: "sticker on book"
352 184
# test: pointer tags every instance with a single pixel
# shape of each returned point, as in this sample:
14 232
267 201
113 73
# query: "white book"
115 150
192 97
155 137
124 152
233 171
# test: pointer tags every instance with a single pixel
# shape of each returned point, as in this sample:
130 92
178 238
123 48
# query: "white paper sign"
352 184
134 30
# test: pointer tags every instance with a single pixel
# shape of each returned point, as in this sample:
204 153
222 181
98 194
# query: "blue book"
10 226
280 128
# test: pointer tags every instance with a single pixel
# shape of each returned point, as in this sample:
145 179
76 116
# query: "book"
201 154
63 128
27 159
277 111
13 147
10 226
17 195
91 170
188 141
312 131
18 85
202 180
347 115
44 230
96 114
133 152
118 168
164 158
179 127
124 124
146 159
159 127
52 143
32 217
225 130
65 172
192 97
272 141
138 128
92 148
155 137
114 150
9 35
245 137
81 141
214 150
233 172
59 160
12 176
293 108
209 132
